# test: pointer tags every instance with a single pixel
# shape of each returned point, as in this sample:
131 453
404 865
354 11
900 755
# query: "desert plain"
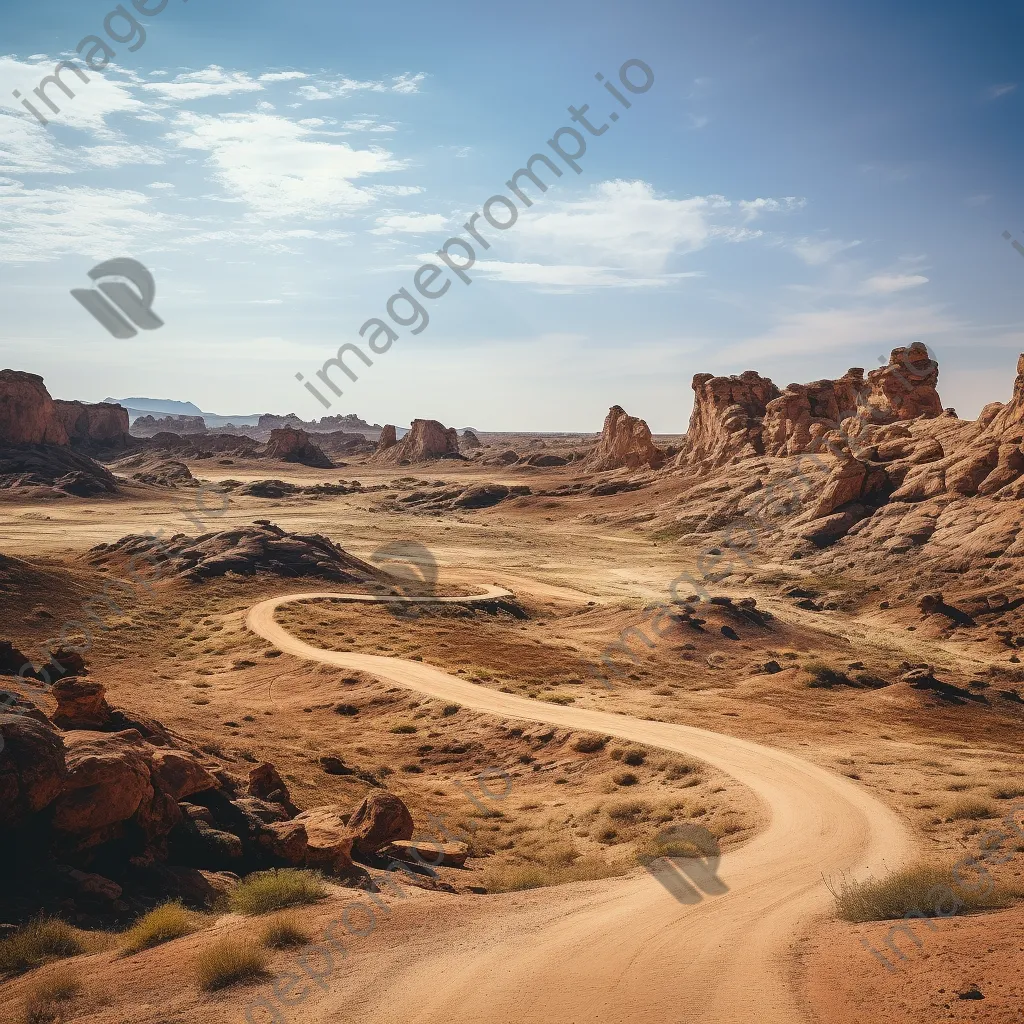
306 724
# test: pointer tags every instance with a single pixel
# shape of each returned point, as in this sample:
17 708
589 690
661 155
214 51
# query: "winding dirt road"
625 950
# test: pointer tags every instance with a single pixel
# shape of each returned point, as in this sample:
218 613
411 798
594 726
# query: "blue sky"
804 186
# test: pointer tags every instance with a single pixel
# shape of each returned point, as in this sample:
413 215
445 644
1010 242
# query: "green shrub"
164 923
824 676
266 891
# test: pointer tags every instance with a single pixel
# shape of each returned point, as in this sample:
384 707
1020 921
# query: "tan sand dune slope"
625 949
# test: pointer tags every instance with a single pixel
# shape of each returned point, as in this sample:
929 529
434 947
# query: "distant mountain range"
168 407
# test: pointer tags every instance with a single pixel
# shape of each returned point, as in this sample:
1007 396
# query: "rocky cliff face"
148 426
803 412
291 445
625 443
727 417
426 440
93 426
28 414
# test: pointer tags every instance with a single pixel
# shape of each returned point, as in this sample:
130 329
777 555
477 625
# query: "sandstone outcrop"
905 388
727 418
426 440
93 427
291 445
27 412
795 420
388 438
470 440
625 443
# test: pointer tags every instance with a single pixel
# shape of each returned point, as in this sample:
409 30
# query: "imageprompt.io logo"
133 305
413 574
684 859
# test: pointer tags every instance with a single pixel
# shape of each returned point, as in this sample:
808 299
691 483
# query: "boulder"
178 773
905 388
470 440
425 441
265 783
328 842
108 781
625 443
81 704
32 768
388 438
380 819
427 853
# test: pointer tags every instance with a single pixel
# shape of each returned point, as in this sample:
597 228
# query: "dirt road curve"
624 950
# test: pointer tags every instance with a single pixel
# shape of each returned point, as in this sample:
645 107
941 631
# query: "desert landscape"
421 723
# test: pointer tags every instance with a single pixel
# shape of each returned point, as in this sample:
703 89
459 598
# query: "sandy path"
625 950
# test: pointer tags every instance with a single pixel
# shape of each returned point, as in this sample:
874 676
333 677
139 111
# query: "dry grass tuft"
42 940
516 877
49 995
162 924
920 889
229 961
285 931
266 891
969 809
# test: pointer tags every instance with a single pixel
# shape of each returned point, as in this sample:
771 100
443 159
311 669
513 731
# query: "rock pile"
148 425
101 815
262 547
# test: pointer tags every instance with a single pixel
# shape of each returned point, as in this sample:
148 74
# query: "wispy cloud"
410 224
1004 89
333 88
197 85
887 284
817 251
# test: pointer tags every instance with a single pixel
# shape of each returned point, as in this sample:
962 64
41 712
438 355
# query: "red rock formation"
290 445
388 438
794 421
101 425
625 443
726 421
905 389
27 412
426 440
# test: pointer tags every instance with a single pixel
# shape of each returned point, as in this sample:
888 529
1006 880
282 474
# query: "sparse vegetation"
48 996
968 809
229 961
167 922
589 743
404 729
822 676
42 940
267 891
916 889
285 931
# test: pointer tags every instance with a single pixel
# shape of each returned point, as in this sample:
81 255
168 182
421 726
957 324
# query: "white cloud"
566 277
753 207
119 155
886 284
161 185
94 101
197 85
410 224
45 223
817 251
367 124
327 89
282 76
281 168
628 225
848 328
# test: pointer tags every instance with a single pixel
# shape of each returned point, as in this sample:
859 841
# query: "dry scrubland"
893 665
